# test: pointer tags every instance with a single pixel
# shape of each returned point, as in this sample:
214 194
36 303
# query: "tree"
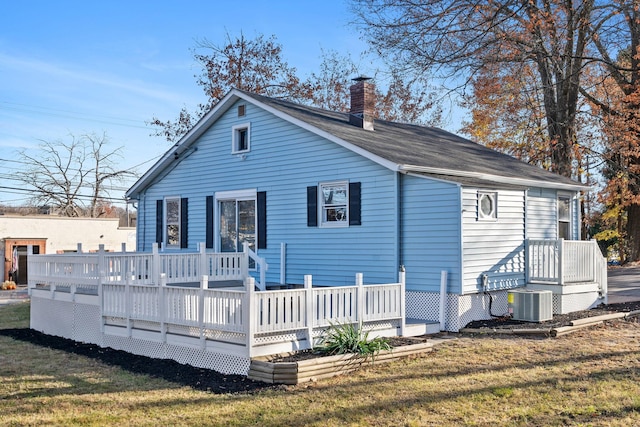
255 65
66 174
401 98
616 100
457 39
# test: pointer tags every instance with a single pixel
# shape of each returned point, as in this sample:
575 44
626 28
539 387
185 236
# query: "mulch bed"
196 378
558 319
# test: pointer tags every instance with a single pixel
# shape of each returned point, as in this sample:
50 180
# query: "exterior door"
237 224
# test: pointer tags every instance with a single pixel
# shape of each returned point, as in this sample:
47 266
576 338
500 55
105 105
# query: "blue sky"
78 67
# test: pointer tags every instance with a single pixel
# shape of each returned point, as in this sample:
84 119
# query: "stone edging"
553 332
328 366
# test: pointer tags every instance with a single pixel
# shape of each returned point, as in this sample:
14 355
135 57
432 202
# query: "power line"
72 115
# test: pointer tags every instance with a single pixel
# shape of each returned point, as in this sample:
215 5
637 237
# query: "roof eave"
496 178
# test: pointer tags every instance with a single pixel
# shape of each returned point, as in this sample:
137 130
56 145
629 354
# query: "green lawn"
591 377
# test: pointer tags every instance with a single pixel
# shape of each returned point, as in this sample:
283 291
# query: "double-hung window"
564 217
334 204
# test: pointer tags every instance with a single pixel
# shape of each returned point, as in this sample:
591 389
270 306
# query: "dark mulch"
558 319
196 378
217 383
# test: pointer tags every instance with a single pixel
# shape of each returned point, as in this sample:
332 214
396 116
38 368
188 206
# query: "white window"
564 217
487 205
334 204
241 138
172 221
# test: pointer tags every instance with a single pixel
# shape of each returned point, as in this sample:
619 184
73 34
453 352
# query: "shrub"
349 338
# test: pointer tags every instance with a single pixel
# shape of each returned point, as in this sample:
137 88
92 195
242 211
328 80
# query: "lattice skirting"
198 357
82 323
459 309
78 322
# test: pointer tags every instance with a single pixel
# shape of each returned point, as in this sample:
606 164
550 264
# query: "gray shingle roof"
417 146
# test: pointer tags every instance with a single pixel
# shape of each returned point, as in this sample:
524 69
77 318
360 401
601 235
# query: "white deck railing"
565 261
90 269
149 292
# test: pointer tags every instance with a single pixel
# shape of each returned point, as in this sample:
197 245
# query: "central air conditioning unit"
530 306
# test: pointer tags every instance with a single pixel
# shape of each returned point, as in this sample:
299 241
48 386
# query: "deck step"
418 327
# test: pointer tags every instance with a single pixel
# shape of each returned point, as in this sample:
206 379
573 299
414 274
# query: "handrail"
563 261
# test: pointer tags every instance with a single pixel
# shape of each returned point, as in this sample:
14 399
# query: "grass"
591 377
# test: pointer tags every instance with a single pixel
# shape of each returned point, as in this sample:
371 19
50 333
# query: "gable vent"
241 110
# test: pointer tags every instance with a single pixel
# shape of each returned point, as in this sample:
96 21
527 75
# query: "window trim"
178 223
493 215
322 222
235 133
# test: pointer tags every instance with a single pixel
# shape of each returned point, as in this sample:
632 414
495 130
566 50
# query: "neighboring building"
53 234
346 194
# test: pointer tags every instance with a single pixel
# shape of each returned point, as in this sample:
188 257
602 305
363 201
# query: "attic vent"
241 110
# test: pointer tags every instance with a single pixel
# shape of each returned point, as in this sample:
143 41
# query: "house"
334 218
335 194
55 234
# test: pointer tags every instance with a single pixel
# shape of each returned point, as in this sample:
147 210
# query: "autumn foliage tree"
462 39
255 65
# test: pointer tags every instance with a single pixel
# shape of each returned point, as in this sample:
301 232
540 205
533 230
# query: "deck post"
79 248
527 261
309 312
156 270
248 314
101 280
204 284
204 271
360 296
123 247
163 307
561 261
402 281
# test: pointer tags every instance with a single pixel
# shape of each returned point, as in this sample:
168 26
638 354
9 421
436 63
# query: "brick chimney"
363 103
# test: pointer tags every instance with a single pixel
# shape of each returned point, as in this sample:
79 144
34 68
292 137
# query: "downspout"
399 241
140 229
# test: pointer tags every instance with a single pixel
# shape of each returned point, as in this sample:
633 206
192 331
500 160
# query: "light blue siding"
542 214
493 247
431 237
284 160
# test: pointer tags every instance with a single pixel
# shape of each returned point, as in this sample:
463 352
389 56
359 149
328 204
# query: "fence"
564 261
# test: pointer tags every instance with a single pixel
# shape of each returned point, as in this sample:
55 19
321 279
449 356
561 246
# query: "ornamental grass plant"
343 338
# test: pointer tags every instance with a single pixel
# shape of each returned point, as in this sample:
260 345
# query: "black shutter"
354 203
184 222
159 221
312 206
209 225
262 219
